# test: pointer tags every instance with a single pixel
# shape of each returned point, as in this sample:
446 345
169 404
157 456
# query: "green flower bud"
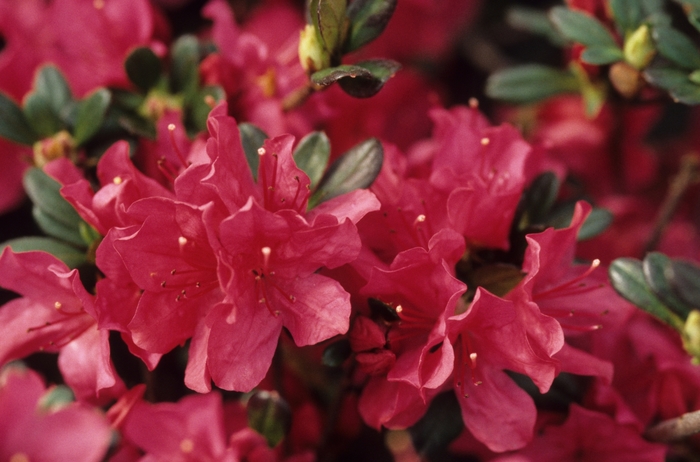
691 335
639 48
312 55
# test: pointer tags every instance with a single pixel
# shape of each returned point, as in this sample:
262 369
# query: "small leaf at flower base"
368 18
380 71
356 169
627 278
91 113
46 108
184 70
581 27
597 222
539 199
677 47
329 18
628 14
269 415
68 254
530 83
336 353
143 68
331 75
600 56
684 278
252 139
657 269
200 108
44 193
535 21
440 425
676 82
53 227
312 154
13 124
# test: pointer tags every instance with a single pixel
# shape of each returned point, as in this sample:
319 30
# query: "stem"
675 429
687 176
297 97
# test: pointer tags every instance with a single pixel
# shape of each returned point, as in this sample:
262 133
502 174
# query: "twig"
675 429
297 97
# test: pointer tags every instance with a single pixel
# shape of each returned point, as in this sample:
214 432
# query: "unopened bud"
59 145
691 335
312 55
626 79
639 48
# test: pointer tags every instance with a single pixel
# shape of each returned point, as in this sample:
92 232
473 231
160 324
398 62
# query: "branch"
675 429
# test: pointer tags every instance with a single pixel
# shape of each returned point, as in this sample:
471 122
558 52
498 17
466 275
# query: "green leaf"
13 124
184 70
56 228
68 254
198 110
312 154
55 398
331 75
534 21
628 14
539 199
657 270
684 277
581 27
46 107
368 18
676 82
336 353
600 56
355 169
329 19
91 113
252 139
530 83
627 278
44 193
380 71
441 424
598 221
677 47
143 68
269 415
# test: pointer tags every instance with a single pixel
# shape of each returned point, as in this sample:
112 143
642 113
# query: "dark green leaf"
356 169
252 139
535 21
312 154
143 68
628 14
68 254
46 107
627 278
184 71
497 278
597 222
677 47
382 311
684 277
380 71
56 398
269 415
539 199
600 56
676 82
329 20
657 269
336 353
368 18
581 27
530 83
13 124
44 193
199 108
56 228
331 75
91 113
440 425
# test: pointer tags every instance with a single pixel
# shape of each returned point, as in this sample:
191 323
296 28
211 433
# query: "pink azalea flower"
30 432
55 314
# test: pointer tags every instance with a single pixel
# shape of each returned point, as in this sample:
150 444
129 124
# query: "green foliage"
269 415
68 254
91 113
252 139
143 68
581 28
47 106
312 155
530 83
13 124
368 18
336 353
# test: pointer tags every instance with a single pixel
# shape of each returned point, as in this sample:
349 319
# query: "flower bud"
626 79
691 335
59 145
639 48
312 55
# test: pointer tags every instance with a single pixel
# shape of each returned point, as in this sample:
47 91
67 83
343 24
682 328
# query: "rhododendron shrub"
261 231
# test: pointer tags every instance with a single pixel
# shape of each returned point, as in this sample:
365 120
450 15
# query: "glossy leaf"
598 221
676 82
331 75
628 14
581 27
46 108
328 17
380 70
336 353
68 254
312 154
356 169
602 55
530 83
627 278
269 415
143 68
184 70
677 47
684 277
44 193
54 227
368 19
91 113
657 269
252 139
13 124
539 199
